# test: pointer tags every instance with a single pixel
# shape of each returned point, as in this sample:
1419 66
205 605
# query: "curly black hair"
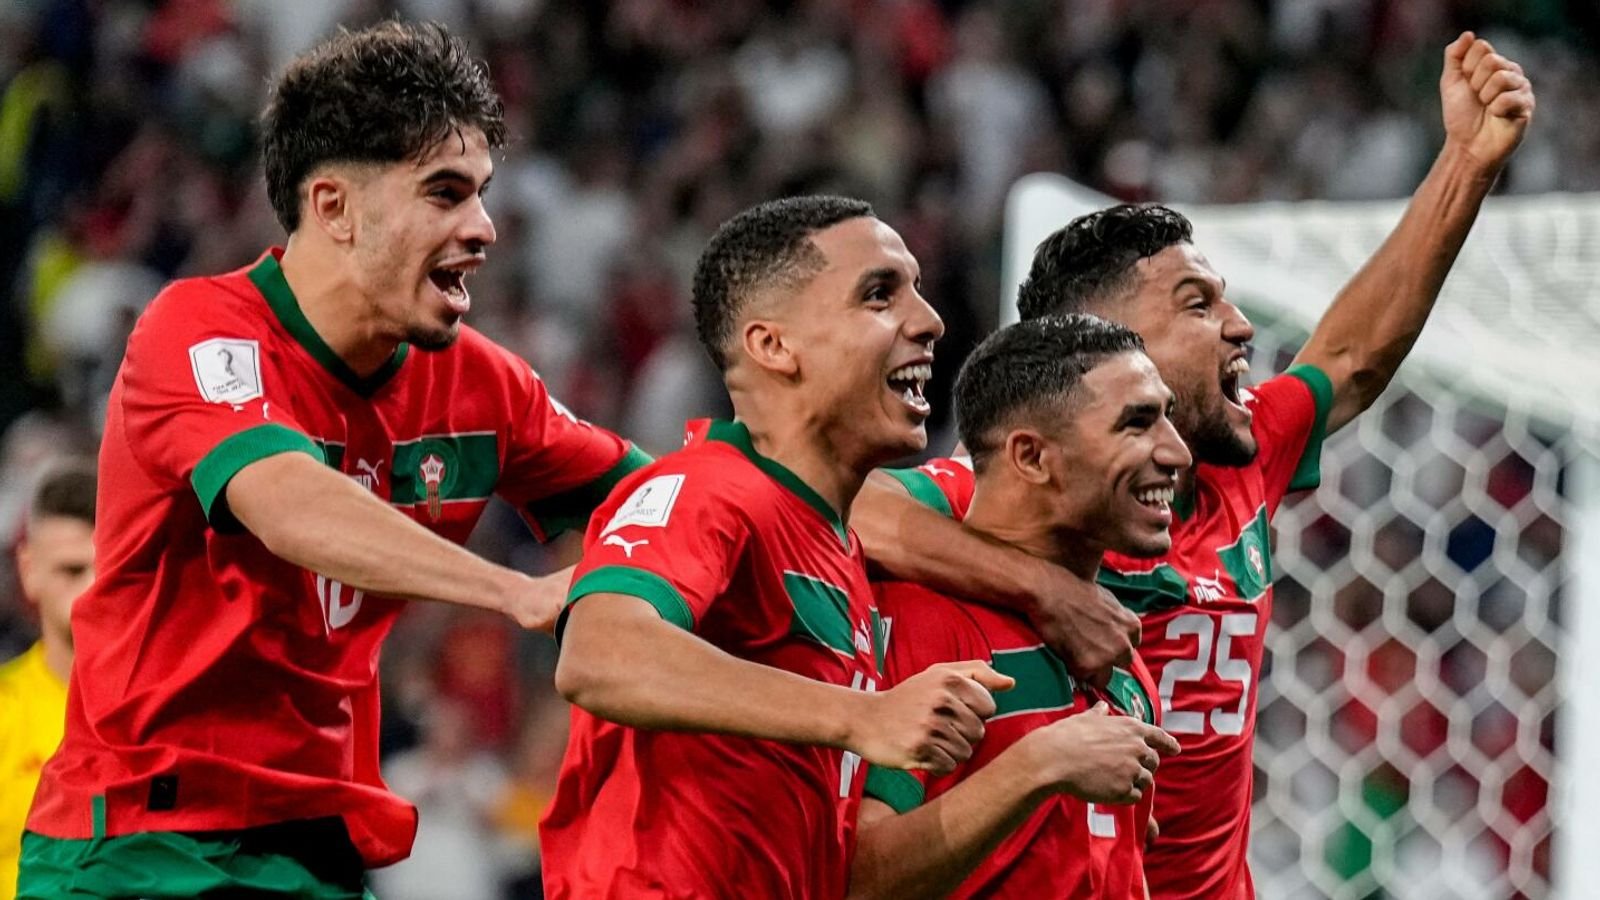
766 244
383 94
1091 259
1025 371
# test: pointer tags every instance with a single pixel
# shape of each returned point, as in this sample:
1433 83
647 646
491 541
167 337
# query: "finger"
966 724
1502 82
1098 677
957 748
984 674
1152 830
1149 761
1513 105
1160 741
1475 54
935 760
1099 709
1492 65
1456 51
973 697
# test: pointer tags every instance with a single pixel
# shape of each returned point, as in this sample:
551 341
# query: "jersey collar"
736 434
267 275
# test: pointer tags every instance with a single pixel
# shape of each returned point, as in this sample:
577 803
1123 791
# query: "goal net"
1420 726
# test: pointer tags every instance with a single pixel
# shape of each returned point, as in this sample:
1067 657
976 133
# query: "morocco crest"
432 472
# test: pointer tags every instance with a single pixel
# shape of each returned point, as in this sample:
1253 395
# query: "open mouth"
907 383
1156 498
1232 374
451 281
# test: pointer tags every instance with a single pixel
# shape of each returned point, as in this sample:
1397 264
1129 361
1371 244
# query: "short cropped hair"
385 94
1025 372
1091 259
766 245
65 492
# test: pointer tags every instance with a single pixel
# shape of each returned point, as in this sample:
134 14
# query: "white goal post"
1423 727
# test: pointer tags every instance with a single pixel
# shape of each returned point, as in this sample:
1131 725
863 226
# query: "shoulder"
194 308
704 479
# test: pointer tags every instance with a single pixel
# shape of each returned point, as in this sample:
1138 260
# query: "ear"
764 343
330 206
1027 452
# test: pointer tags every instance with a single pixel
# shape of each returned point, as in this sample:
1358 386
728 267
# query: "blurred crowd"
127 158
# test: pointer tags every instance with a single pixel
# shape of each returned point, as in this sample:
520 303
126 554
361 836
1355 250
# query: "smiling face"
1196 338
1116 458
419 228
862 339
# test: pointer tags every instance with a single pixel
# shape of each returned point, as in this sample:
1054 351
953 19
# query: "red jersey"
1068 848
734 547
218 686
1205 608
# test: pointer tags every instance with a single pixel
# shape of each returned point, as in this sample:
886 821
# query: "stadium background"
126 159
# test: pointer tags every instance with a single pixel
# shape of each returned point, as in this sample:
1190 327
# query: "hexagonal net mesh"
1409 704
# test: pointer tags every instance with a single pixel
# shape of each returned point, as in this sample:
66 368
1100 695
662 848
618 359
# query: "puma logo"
371 470
627 546
935 470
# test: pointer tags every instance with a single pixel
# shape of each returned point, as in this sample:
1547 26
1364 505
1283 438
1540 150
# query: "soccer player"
292 450
55 563
1066 421
719 643
1206 604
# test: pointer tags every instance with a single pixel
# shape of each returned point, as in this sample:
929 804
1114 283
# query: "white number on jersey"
1101 824
339 602
1227 668
851 763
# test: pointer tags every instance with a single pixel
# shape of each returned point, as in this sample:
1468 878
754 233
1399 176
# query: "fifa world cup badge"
432 470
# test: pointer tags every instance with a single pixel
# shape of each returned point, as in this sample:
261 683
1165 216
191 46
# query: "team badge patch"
227 370
650 504
432 470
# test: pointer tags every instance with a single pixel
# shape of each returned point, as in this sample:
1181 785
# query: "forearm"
907 541
1374 321
321 520
930 850
622 662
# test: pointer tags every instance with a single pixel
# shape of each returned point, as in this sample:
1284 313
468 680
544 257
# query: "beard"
1211 439
433 338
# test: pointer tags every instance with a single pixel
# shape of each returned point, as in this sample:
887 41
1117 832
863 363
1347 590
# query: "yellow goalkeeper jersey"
33 708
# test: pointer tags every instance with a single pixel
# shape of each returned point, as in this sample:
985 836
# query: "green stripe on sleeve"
571 509
1308 474
236 451
922 488
896 787
647 586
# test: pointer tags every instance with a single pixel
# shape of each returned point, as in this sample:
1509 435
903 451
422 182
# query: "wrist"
847 721
1457 159
1041 765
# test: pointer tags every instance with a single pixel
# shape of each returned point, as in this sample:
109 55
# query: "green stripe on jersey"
821 612
332 453
1143 592
571 509
213 472
896 787
640 583
1043 682
1308 474
466 467
922 488
1249 559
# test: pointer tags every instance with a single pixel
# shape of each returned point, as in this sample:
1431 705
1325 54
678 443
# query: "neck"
57 655
1011 512
333 303
792 438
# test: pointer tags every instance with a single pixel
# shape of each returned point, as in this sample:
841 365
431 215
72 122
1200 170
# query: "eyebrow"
1135 410
877 276
449 174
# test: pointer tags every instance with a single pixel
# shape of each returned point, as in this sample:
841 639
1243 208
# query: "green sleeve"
922 488
212 474
571 508
647 586
896 787
1308 473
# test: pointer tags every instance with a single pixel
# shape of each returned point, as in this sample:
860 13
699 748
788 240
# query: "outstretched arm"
1375 319
621 661
316 518
907 541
